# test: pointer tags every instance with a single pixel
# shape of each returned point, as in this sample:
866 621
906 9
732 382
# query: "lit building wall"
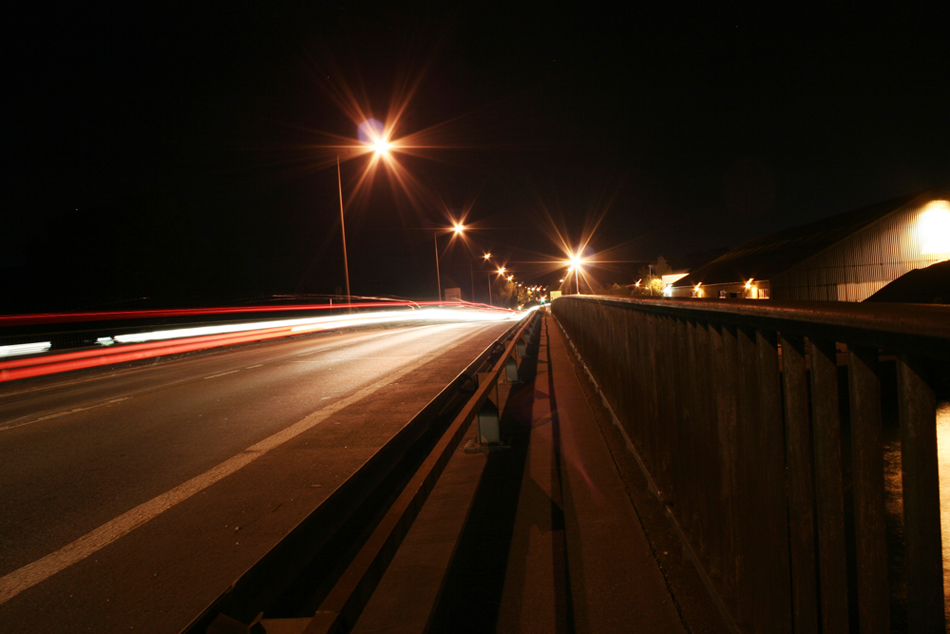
913 237
756 289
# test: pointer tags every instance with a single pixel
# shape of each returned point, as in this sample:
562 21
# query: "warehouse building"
847 257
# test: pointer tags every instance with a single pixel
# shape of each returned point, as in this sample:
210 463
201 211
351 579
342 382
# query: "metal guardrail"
380 494
794 446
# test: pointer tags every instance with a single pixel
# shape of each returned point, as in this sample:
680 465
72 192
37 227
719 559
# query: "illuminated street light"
501 271
471 274
574 263
381 146
457 229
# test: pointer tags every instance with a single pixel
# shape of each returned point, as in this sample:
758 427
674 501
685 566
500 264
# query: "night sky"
185 152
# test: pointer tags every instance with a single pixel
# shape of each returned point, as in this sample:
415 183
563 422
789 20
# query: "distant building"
847 257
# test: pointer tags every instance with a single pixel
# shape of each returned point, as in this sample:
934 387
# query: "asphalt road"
132 497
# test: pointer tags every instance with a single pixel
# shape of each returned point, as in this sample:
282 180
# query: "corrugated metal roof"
767 256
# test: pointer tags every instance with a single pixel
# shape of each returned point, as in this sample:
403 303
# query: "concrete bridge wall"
794 446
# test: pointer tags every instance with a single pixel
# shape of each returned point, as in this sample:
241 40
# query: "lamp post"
380 145
457 229
471 273
501 271
575 262
346 264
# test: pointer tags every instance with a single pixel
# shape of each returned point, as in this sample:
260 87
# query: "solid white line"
64 413
42 569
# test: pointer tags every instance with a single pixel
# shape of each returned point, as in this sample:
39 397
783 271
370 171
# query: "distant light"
749 283
487 255
668 291
933 227
458 228
105 341
381 146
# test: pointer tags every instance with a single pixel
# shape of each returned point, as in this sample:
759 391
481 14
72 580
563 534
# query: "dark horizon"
174 152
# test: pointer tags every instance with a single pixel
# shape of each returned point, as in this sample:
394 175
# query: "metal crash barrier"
343 593
794 446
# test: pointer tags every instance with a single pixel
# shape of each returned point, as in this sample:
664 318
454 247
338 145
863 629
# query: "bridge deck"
556 534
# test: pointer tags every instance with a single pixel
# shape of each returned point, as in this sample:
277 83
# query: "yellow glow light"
749 283
381 146
933 227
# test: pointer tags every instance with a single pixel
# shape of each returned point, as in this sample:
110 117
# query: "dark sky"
184 151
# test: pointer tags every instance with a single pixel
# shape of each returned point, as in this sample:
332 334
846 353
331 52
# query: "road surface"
132 497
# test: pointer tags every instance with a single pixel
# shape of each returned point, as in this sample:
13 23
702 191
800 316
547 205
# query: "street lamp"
346 264
380 145
575 262
500 272
471 273
457 229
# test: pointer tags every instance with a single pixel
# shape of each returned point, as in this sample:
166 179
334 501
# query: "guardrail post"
868 478
489 429
801 499
829 491
532 331
921 486
511 370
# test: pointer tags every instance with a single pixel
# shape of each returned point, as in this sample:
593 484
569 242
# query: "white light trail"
25 348
328 322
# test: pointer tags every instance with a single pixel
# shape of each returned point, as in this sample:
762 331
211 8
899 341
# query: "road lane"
81 462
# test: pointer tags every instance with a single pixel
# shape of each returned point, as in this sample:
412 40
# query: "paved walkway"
541 537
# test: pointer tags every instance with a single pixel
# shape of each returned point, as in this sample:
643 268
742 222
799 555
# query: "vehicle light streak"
147 345
25 348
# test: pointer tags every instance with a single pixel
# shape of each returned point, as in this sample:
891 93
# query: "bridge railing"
794 446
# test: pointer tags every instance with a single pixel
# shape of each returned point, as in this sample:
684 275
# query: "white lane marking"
214 376
67 412
42 569
254 366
